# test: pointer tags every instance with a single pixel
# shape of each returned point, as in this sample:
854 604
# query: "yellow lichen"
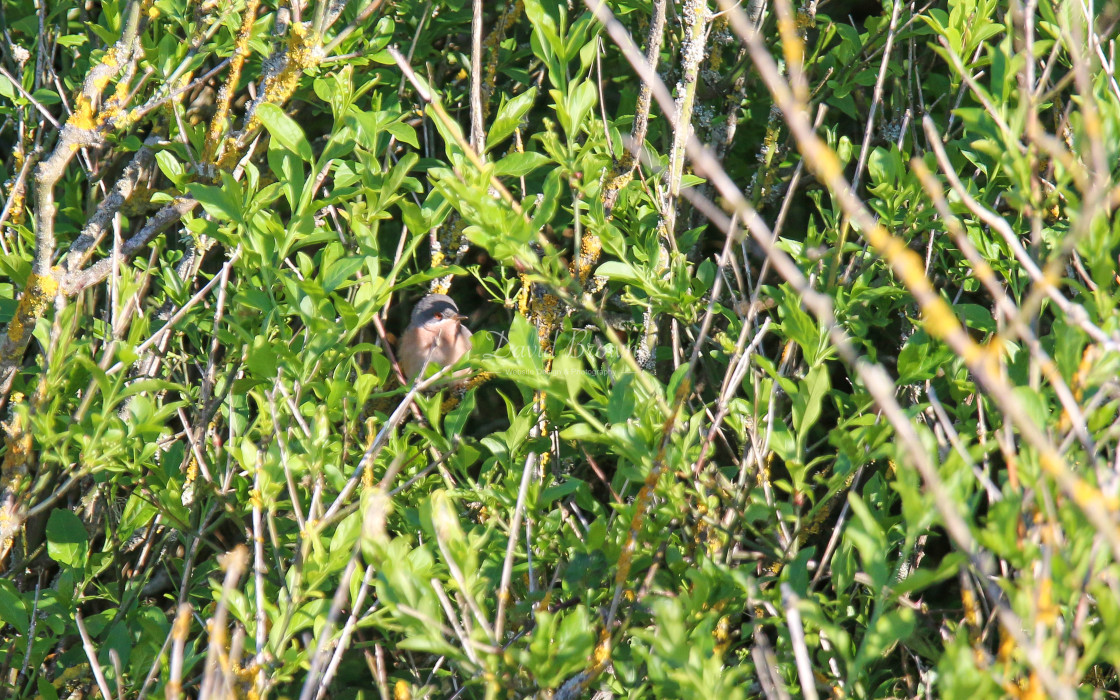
1006 646
722 634
13 473
491 46
110 61
110 115
523 296
1029 688
229 157
237 61
1047 611
82 117
590 248
402 690
15 192
803 21
302 55
545 315
1084 494
37 296
971 609
602 653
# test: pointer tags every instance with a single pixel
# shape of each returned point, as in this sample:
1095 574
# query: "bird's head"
435 309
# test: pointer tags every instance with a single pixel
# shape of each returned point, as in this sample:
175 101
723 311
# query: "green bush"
795 349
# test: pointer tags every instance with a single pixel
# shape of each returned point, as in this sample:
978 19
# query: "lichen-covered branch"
448 244
14 474
218 124
91 118
696 16
139 168
940 321
74 282
80 130
623 172
491 45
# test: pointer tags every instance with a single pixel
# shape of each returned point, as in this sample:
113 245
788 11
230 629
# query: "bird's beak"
459 317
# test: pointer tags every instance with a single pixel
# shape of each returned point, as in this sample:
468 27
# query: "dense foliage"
794 372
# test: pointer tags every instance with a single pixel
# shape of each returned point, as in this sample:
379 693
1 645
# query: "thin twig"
478 136
797 639
91 654
170 325
511 543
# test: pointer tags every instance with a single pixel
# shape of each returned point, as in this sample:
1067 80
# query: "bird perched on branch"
435 335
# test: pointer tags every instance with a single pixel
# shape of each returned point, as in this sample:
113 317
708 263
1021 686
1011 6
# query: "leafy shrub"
794 366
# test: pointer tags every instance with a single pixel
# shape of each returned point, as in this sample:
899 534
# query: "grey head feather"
431 307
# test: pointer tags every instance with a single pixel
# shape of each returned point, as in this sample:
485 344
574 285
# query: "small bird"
435 334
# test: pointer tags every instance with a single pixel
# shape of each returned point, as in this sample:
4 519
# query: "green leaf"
524 344
509 117
976 317
443 517
367 125
403 133
346 536
807 403
46 690
46 96
262 359
217 202
72 40
582 432
549 202
800 327
67 539
580 100
7 88
521 164
622 403
884 165
429 275
887 631
567 375
866 532
450 132
557 651
13 609
555 493
289 171
171 168
922 578
1034 404
545 28
677 382
618 270
457 418
340 271
920 358
285 130
414 217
